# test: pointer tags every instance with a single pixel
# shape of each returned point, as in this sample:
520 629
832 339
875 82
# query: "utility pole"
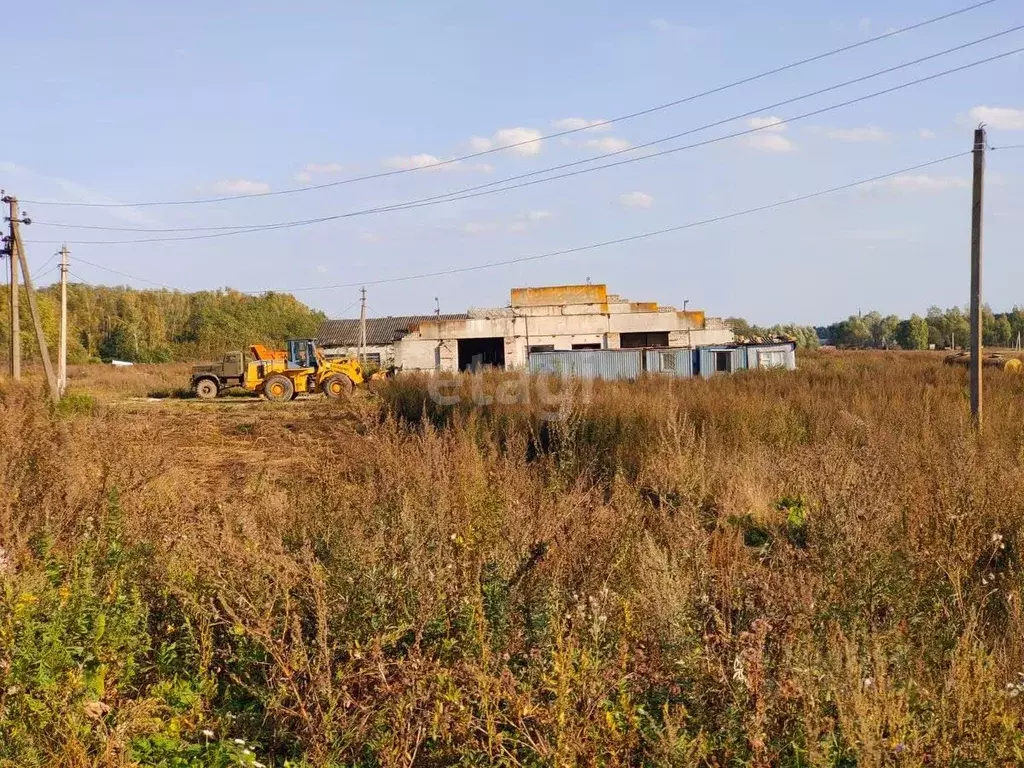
37 320
11 249
362 324
976 211
62 354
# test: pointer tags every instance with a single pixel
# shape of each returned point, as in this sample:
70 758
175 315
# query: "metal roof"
380 331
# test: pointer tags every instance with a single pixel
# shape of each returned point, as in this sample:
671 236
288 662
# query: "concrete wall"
387 353
417 353
559 316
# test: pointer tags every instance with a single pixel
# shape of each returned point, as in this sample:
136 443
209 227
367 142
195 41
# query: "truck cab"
208 379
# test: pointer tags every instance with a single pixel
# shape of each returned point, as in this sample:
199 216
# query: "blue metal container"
672 362
772 356
589 363
714 361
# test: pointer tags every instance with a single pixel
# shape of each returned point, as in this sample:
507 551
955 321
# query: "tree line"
152 326
805 336
942 328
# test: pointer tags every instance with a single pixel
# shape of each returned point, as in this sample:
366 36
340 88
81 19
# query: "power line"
346 309
82 279
620 240
417 203
36 278
557 134
487 189
80 260
52 257
641 236
1008 146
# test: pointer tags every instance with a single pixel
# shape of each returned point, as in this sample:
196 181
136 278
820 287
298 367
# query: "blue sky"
127 101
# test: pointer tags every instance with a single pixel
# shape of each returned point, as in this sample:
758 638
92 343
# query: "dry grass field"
818 568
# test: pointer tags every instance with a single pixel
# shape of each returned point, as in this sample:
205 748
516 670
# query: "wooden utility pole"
15 361
976 211
37 320
362 325
62 353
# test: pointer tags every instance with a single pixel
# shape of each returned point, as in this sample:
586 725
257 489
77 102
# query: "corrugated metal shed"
589 363
673 362
380 331
732 359
772 356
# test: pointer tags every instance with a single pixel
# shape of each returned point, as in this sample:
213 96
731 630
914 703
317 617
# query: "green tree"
740 326
852 332
154 326
958 327
913 333
885 331
1003 332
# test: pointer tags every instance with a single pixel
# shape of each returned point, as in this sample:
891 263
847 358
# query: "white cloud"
1001 118
509 136
525 220
312 169
528 140
924 182
241 187
767 123
636 200
433 163
537 215
521 223
769 136
74 190
861 134
608 144
409 162
579 124
926 133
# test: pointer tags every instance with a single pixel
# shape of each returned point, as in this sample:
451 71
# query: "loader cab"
302 353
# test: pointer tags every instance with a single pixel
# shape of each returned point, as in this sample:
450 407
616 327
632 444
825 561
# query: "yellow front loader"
300 368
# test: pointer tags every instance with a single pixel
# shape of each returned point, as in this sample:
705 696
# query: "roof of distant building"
380 331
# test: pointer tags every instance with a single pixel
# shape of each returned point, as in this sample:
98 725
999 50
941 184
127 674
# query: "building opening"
586 346
649 339
723 362
479 353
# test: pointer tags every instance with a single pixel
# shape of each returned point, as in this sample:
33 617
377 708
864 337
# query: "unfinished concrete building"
546 319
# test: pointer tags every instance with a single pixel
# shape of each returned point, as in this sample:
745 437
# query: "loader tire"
278 388
206 389
337 386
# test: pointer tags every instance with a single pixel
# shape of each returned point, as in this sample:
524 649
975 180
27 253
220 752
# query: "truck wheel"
205 389
278 388
337 386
